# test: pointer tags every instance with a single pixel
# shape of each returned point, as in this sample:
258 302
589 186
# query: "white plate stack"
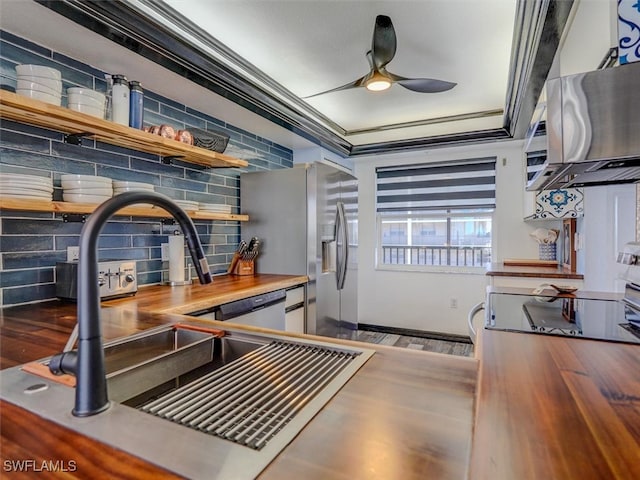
40 83
25 187
86 101
187 205
86 188
122 186
214 208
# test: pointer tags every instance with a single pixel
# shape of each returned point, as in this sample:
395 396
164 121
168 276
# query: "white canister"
120 100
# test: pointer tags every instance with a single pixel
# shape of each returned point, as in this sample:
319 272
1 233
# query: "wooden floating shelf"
529 262
87 208
26 110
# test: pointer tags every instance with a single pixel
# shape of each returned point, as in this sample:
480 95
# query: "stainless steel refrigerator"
307 220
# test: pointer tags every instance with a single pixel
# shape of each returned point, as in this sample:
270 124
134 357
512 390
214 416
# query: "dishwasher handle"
235 309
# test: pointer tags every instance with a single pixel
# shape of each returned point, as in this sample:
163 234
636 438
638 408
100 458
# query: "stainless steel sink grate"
252 398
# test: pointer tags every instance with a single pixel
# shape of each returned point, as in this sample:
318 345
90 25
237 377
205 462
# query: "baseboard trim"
449 337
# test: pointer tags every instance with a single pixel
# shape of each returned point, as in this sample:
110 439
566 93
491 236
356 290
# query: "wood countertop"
27 332
501 270
545 407
405 414
190 298
556 408
550 292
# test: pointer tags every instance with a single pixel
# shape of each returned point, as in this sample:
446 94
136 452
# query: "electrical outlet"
73 254
453 303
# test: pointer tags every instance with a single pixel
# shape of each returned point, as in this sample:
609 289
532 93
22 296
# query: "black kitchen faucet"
87 364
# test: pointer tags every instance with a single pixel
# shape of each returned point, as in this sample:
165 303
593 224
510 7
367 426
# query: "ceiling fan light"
378 84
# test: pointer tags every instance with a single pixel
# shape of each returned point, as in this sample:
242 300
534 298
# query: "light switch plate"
73 254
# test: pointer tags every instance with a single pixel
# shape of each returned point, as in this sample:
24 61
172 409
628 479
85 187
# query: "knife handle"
234 262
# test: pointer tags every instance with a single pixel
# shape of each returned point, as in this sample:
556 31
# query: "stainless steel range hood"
593 129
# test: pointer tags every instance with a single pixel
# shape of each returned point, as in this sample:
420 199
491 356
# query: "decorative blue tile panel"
628 31
560 203
32 242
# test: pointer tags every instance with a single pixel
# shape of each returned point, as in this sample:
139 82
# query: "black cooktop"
564 315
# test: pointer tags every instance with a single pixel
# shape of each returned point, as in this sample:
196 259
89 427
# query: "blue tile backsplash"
32 242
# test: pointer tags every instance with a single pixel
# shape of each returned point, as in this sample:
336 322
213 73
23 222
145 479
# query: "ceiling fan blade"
383 44
422 85
358 83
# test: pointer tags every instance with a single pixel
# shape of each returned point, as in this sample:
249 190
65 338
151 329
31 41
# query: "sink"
230 402
141 362
141 379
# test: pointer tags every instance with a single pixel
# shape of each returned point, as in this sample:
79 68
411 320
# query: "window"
436 214
535 163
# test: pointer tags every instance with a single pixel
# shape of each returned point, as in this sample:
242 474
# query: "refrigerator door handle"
343 253
337 243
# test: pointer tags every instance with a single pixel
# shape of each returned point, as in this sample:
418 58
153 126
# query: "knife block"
244 267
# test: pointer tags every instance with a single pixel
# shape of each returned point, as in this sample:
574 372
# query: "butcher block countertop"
534 271
50 322
190 298
551 407
549 291
527 407
405 414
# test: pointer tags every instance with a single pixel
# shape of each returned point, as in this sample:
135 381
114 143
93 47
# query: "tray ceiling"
267 56
308 47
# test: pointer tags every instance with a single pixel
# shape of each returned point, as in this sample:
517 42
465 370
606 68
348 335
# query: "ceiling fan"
383 49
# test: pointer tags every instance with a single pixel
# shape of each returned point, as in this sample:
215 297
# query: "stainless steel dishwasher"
265 311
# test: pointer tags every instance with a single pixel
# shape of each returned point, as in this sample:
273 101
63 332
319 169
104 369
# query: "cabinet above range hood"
593 129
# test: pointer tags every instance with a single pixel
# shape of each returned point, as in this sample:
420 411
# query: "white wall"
593 30
421 300
609 222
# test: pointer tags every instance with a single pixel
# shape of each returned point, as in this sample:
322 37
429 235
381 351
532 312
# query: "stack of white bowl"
121 186
214 207
187 205
25 187
40 83
86 188
86 100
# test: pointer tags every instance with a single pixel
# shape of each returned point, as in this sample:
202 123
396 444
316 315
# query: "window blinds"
447 186
535 163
